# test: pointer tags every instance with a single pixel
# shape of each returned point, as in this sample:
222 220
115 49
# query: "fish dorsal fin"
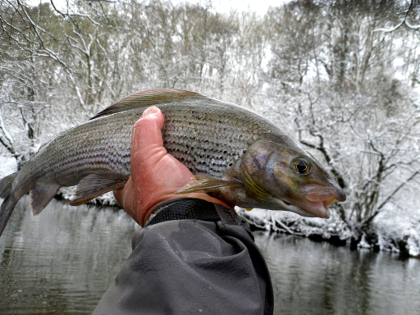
145 99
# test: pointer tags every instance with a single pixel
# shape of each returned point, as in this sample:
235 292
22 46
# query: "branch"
403 22
327 157
6 133
367 221
7 140
397 189
71 15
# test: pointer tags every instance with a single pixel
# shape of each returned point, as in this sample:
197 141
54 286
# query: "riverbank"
396 236
386 234
390 233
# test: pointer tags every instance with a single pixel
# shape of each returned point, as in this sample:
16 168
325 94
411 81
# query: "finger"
118 194
148 129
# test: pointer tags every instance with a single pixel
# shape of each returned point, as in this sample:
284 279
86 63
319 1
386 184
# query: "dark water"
62 261
319 278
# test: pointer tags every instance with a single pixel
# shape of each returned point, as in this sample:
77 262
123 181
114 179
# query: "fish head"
280 175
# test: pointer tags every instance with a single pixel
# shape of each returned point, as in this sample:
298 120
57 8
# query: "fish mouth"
316 200
310 209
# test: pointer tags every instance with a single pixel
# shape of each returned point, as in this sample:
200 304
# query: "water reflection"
62 261
319 278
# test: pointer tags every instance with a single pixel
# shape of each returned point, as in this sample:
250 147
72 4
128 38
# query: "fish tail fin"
11 196
6 185
6 210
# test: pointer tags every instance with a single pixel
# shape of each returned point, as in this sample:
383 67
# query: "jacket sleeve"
191 267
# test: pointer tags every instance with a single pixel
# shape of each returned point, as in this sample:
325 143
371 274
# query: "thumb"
148 130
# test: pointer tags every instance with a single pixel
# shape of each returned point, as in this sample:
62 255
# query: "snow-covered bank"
389 232
67 193
399 235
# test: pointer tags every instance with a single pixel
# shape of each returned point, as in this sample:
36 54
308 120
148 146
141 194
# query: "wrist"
165 199
184 209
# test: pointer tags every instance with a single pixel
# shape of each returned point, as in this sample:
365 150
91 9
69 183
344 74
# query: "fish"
236 155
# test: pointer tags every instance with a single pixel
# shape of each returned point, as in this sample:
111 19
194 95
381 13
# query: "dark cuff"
184 209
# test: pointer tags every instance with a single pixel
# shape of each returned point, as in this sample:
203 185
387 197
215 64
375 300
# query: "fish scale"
201 146
225 143
91 147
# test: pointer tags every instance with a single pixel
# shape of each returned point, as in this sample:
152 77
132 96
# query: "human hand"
155 174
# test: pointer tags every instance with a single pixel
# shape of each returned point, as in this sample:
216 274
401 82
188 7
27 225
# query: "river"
63 260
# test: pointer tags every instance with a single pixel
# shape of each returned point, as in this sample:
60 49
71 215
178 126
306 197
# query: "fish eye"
301 166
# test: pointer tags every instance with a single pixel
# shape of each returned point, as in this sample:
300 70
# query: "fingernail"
150 111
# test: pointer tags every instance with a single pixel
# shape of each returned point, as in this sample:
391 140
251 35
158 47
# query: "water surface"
320 278
63 260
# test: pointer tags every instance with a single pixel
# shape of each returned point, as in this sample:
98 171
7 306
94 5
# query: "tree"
327 71
43 48
349 107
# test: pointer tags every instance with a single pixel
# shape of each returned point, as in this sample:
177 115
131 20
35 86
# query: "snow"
107 199
399 234
260 7
8 166
413 242
367 120
391 229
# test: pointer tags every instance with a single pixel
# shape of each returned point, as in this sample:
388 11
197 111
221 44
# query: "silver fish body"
210 137
205 135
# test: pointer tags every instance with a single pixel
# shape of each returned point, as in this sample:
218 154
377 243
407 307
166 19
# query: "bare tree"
348 107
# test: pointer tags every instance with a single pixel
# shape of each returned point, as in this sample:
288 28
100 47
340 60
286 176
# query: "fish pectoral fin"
206 183
93 186
41 195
